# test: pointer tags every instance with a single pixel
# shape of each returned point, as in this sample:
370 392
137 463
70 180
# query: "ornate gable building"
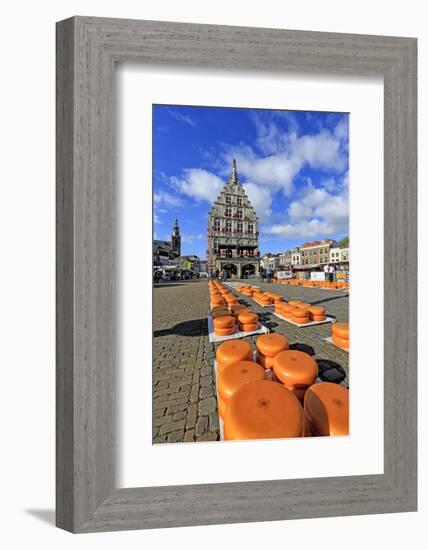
232 233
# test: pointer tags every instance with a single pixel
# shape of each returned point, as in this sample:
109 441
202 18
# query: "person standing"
331 271
327 272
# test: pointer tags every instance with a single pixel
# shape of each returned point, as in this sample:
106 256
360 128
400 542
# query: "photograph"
251 274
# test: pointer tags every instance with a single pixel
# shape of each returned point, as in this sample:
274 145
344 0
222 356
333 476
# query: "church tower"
176 239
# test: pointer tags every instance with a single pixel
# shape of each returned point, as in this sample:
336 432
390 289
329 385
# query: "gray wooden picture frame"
87 51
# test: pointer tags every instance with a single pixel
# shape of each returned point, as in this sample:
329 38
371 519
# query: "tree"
344 242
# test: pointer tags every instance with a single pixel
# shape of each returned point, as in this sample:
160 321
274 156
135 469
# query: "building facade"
296 258
232 232
316 252
335 255
286 259
192 263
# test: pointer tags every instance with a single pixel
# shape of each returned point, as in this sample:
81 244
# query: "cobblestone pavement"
184 403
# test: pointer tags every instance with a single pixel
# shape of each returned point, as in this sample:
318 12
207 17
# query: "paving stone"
206 380
180 415
171 427
208 437
162 419
175 437
207 406
194 393
192 413
207 391
189 435
176 408
213 422
201 425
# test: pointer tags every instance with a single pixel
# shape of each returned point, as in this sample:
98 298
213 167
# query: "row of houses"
312 254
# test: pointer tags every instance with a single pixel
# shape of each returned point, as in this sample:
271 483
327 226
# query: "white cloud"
167 199
342 129
182 117
287 155
261 200
318 213
190 238
199 184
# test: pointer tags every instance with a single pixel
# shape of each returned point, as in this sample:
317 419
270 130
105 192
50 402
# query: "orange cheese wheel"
271 344
249 327
235 308
303 305
317 310
224 331
300 320
265 362
300 393
248 317
341 342
232 377
295 368
341 330
326 409
219 311
225 321
295 302
287 309
221 406
317 317
263 410
232 351
297 312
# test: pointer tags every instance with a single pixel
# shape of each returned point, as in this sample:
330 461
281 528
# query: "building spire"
234 177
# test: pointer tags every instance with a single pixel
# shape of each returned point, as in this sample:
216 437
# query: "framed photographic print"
236 274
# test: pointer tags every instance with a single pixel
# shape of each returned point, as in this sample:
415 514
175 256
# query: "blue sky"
293 165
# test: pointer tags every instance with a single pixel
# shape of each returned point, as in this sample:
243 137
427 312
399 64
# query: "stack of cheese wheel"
231 352
231 299
216 300
296 370
263 410
248 321
317 313
326 409
295 302
232 378
279 307
219 312
276 298
300 314
340 334
224 325
268 346
237 308
285 310
264 299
